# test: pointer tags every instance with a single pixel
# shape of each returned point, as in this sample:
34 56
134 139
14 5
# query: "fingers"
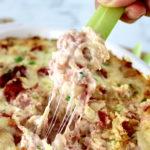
125 18
116 3
135 10
148 7
148 3
148 13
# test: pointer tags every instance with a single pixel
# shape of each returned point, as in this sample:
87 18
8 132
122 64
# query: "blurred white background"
67 14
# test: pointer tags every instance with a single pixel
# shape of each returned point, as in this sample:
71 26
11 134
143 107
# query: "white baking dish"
23 32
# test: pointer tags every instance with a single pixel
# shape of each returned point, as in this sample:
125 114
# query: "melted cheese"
116 110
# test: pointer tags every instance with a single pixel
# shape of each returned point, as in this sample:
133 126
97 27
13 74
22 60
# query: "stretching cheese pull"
72 68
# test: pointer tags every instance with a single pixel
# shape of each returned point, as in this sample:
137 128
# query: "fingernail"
148 3
116 3
136 10
109 3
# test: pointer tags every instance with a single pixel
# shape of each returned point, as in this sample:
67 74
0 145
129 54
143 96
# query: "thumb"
116 3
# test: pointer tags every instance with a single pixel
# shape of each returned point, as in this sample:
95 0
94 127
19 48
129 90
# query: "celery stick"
137 50
147 58
104 20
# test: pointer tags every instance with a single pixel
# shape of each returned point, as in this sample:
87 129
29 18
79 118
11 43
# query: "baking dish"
23 32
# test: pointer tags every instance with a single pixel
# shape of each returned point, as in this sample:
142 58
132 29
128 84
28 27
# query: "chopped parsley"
106 64
118 108
39 148
133 137
32 62
81 75
130 85
46 52
135 92
10 70
118 84
68 98
144 100
19 59
24 64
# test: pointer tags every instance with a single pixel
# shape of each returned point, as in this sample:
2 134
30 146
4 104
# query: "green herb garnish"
118 84
32 62
130 85
106 64
10 70
19 59
144 100
39 148
46 52
118 108
68 98
24 64
133 137
135 92
81 75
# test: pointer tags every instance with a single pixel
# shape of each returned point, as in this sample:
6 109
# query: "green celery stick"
147 58
137 50
104 20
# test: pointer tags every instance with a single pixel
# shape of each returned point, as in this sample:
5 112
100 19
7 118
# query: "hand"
134 9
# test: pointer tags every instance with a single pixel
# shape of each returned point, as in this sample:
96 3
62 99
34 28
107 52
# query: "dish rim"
49 33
